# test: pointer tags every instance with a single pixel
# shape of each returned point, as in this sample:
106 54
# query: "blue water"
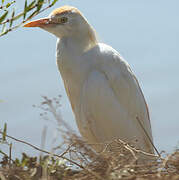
146 33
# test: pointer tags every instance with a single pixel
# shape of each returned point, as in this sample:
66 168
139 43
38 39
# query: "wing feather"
113 100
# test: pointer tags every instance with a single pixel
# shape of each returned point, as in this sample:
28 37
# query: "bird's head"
64 22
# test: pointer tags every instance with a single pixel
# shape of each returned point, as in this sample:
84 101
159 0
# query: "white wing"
112 101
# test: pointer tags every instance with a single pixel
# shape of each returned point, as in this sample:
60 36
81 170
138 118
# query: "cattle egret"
103 91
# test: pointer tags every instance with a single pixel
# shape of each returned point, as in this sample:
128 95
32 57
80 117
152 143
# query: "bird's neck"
80 41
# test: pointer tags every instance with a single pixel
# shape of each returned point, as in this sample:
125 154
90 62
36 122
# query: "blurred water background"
146 33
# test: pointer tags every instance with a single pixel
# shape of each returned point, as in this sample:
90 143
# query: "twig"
38 12
131 151
9 4
164 163
44 151
18 25
10 154
43 138
147 136
67 150
56 155
124 144
4 154
137 150
53 110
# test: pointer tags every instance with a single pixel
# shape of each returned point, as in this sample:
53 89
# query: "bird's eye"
63 20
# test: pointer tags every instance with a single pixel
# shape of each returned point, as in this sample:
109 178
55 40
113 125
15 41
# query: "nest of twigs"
79 162
76 160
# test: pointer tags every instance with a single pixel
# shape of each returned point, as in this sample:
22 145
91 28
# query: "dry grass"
110 165
76 160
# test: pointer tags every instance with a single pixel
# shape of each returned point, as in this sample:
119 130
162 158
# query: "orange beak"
38 23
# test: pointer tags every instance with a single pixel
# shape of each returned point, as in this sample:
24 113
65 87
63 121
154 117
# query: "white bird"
103 91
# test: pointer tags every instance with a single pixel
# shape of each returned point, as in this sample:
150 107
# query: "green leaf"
3 33
24 162
30 6
4 132
32 15
3 17
2 1
54 1
17 162
10 3
39 5
3 28
12 16
25 9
